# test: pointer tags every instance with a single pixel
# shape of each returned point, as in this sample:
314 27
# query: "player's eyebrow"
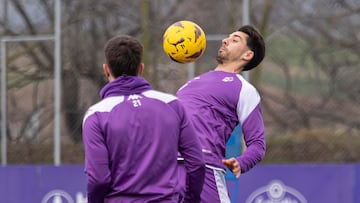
235 35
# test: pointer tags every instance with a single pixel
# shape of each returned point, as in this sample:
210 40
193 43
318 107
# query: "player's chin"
219 59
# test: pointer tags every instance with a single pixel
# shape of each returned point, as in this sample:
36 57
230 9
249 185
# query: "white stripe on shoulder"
167 98
105 105
249 98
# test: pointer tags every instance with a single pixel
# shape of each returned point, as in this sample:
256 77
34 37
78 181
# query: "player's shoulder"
105 105
248 90
246 85
162 96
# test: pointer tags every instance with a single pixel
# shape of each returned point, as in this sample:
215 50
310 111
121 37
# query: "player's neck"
229 67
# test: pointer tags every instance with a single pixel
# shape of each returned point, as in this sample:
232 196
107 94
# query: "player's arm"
190 149
254 136
96 161
252 126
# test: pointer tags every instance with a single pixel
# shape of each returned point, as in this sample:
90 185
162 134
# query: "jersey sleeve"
254 137
250 118
96 160
190 150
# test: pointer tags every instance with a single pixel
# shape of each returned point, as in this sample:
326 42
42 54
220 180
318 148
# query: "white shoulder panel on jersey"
105 105
249 98
167 98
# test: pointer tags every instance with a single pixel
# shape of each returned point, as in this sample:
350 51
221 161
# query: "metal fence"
33 121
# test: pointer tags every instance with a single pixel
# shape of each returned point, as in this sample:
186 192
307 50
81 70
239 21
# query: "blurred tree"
262 23
311 47
86 26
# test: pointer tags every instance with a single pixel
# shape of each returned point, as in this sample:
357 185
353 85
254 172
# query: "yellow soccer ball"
184 41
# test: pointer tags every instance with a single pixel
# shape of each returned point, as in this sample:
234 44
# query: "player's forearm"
194 184
96 192
98 184
252 156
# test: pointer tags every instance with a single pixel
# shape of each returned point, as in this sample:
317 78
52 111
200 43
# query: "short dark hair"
256 43
123 55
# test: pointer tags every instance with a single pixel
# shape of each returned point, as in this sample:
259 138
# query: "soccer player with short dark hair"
133 135
219 100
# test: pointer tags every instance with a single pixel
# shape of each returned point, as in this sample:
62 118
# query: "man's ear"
248 55
141 69
106 71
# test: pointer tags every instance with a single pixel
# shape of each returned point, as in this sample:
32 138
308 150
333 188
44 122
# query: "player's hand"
233 165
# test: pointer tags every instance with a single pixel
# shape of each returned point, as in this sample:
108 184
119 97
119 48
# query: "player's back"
142 135
132 138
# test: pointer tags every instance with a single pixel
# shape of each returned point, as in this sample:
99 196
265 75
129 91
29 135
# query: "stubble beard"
220 58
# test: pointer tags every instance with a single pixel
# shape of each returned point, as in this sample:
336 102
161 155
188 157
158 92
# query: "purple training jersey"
217 101
132 138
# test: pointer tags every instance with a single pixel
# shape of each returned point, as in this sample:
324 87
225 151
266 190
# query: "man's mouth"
222 49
